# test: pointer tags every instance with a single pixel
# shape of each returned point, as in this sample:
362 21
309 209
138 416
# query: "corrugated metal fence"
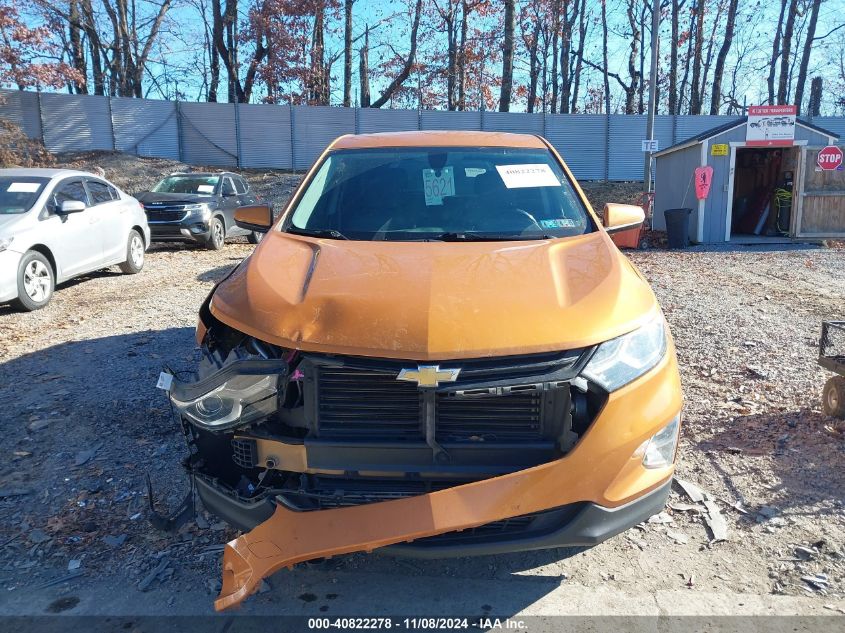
597 147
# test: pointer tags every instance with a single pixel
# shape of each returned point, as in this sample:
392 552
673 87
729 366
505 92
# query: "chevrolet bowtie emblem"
428 375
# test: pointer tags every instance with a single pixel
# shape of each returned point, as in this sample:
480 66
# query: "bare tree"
786 51
695 86
405 72
364 69
805 55
677 5
507 57
718 73
775 52
347 52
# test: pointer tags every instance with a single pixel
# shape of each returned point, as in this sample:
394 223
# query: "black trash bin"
677 227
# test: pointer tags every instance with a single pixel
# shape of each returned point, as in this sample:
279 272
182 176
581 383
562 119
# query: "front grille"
165 214
355 404
363 404
489 419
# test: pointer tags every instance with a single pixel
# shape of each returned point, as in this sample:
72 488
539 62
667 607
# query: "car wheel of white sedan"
134 254
35 281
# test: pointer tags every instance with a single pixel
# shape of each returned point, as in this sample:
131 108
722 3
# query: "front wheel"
134 254
35 281
254 237
217 235
833 397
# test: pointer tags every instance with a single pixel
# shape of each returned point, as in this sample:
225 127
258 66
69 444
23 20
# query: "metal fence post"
111 125
607 146
544 125
40 117
357 120
238 160
292 141
179 140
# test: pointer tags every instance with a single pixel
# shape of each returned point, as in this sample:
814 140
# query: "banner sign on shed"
771 125
703 178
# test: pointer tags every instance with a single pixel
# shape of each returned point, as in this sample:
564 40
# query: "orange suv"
437 350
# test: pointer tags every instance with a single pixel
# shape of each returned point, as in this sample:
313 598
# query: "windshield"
440 193
19 193
202 185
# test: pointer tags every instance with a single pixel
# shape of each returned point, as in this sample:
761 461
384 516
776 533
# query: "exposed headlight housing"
621 360
201 210
5 242
659 450
240 393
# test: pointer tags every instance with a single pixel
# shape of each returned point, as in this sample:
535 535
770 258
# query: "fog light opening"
659 450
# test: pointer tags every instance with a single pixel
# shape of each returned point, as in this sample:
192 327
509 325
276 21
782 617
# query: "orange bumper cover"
602 468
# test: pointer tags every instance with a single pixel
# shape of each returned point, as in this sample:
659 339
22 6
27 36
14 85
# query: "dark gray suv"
197 207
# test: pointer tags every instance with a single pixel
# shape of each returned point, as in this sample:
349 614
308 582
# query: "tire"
833 397
254 237
217 234
134 254
36 282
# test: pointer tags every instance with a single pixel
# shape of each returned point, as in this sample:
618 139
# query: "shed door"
821 202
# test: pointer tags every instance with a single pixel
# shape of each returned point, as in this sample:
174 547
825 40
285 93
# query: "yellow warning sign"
719 149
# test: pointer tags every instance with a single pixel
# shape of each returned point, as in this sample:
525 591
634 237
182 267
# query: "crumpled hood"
434 300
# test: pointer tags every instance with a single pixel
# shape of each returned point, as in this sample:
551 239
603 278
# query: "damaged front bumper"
601 483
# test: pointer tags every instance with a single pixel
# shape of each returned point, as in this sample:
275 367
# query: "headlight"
5 242
659 450
619 361
234 396
198 210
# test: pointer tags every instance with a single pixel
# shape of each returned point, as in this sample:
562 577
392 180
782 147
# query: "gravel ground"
84 424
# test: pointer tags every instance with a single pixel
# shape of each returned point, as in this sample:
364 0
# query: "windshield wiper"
331 233
482 237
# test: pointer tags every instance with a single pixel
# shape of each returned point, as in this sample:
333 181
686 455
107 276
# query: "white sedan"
56 224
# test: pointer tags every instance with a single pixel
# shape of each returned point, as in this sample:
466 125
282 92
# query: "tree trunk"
673 59
579 55
409 62
316 90
687 60
805 56
770 81
604 56
695 87
364 70
77 52
507 58
347 53
462 56
631 89
534 67
718 73
786 51
815 97
555 49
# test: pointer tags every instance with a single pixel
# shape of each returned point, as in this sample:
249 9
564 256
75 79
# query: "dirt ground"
83 425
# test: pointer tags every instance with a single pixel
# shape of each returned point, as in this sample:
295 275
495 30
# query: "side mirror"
71 206
254 217
621 217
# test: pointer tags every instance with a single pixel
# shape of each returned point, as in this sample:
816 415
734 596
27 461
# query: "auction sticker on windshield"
438 185
531 175
23 187
205 188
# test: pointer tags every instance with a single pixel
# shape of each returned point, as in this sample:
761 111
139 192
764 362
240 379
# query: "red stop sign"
830 158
